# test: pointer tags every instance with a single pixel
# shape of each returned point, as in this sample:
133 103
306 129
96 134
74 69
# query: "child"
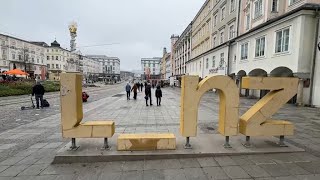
158 95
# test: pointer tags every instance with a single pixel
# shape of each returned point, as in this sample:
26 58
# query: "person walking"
128 89
38 92
147 91
158 95
135 92
138 86
141 85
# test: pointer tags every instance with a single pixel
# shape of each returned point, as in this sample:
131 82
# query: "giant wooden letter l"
191 93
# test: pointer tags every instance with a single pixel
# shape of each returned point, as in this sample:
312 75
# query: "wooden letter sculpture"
72 114
191 93
257 120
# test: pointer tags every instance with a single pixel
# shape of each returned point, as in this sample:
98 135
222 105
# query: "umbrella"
16 72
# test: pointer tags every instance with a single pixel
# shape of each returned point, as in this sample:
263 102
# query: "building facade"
110 66
168 72
151 68
278 38
215 24
24 55
182 52
57 60
91 68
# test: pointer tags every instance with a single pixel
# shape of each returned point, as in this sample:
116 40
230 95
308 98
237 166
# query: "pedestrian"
138 86
147 91
128 89
158 95
38 92
141 85
135 92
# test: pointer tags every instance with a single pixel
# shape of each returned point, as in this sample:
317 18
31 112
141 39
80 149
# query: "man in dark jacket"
158 95
141 85
135 92
38 91
128 89
147 91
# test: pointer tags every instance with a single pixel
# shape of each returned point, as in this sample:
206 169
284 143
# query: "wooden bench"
143 142
72 113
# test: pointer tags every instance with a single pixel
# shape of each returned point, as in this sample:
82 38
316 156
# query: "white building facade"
151 65
24 55
212 28
109 66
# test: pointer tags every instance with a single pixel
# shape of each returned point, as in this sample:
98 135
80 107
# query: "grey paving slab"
207 162
13 170
7 146
38 146
225 161
33 170
195 173
132 175
53 145
12 160
174 174
116 166
110 176
215 173
153 175
312 167
235 172
162 164
28 160
255 171
2 168
309 177
62 169
242 160
286 178
275 170
189 162
133 165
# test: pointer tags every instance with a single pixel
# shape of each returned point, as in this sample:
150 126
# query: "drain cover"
118 95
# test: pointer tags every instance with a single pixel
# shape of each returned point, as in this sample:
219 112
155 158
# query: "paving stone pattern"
28 146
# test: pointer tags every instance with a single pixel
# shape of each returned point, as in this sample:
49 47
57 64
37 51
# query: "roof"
55 44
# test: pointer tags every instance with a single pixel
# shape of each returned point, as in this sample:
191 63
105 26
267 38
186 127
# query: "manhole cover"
210 128
118 95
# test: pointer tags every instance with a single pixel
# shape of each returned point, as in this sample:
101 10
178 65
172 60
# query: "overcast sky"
140 28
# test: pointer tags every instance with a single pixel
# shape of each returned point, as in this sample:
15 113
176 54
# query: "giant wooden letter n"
191 93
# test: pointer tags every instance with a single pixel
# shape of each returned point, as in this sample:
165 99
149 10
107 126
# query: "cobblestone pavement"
27 147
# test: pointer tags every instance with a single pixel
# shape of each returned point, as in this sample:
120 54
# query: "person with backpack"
158 95
147 91
128 89
38 92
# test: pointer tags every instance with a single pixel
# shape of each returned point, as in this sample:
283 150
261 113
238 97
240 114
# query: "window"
215 20
282 40
4 63
247 21
214 41
48 51
52 66
221 60
213 61
231 32
56 50
57 58
114 64
223 13
20 57
38 61
48 57
48 65
57 66
293 1
207 63
221 37
257 8
52 57
274 7
244 51
260 46
13 56
32 60
232 6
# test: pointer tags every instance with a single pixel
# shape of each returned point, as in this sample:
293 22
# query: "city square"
218 89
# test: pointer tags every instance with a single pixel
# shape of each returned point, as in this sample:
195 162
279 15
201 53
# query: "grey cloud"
141 27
